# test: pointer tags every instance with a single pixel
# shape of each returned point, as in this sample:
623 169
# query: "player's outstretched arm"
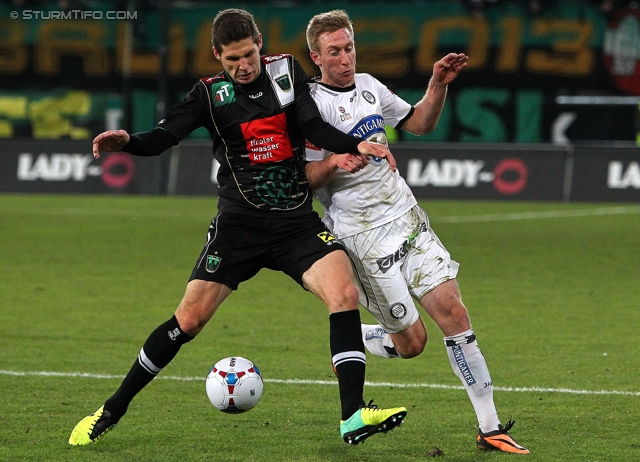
110 141
427 111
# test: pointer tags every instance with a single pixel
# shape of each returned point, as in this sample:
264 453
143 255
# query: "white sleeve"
394 108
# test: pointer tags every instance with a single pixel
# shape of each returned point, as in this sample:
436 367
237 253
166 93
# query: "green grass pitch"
553 291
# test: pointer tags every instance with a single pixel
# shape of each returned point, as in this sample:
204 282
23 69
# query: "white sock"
378 341
469 365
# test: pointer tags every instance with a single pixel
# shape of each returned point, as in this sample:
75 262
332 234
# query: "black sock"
349 360
160 348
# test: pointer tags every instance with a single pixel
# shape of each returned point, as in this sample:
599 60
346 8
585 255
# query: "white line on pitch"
538 215
142 213
331 382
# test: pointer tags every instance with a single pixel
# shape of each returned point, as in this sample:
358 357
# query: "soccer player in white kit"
396 255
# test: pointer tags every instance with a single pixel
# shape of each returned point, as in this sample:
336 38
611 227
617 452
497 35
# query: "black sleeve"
314 128
179 121
152 143
306 108
325 136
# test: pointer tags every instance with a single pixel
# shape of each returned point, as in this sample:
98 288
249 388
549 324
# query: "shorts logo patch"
398 310
385 263
326 237
213 263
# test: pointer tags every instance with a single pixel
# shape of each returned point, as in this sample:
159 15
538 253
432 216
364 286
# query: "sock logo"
378 333
173 334
461 361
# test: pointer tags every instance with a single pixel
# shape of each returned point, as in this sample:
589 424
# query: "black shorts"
238 246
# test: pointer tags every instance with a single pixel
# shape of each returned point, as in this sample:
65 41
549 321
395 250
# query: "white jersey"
355 202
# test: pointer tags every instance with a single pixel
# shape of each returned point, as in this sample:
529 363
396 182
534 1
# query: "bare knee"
412 349
190 323
200 302
445 307
344 299
411 342
459 318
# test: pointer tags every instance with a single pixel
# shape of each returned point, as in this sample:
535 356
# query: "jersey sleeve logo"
267 139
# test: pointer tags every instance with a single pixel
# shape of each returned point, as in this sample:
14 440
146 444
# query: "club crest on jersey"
284 82
222 93
213 263
368 97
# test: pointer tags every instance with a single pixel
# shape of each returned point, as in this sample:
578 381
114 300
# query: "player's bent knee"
351 295
411 346
343 298
190 326
190 322
411 350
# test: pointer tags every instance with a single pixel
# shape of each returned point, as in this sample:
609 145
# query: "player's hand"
377 150
448 68
111 141
352 163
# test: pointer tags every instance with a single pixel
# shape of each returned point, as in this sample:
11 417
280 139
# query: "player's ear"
315 57
259 42
216 54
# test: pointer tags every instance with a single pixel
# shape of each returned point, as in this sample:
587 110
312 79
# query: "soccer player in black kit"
259 113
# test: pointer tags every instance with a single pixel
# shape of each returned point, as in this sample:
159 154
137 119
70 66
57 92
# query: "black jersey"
256 135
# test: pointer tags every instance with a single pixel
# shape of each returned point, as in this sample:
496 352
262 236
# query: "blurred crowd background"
532 61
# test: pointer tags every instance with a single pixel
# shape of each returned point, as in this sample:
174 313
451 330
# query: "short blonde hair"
323 23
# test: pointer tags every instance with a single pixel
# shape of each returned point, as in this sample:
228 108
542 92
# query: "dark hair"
232 25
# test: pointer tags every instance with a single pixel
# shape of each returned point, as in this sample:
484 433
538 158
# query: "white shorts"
395 262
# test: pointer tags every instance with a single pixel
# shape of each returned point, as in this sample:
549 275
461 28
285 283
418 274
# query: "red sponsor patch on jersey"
309 145
267 139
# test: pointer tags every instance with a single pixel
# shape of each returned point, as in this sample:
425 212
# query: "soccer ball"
234 385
